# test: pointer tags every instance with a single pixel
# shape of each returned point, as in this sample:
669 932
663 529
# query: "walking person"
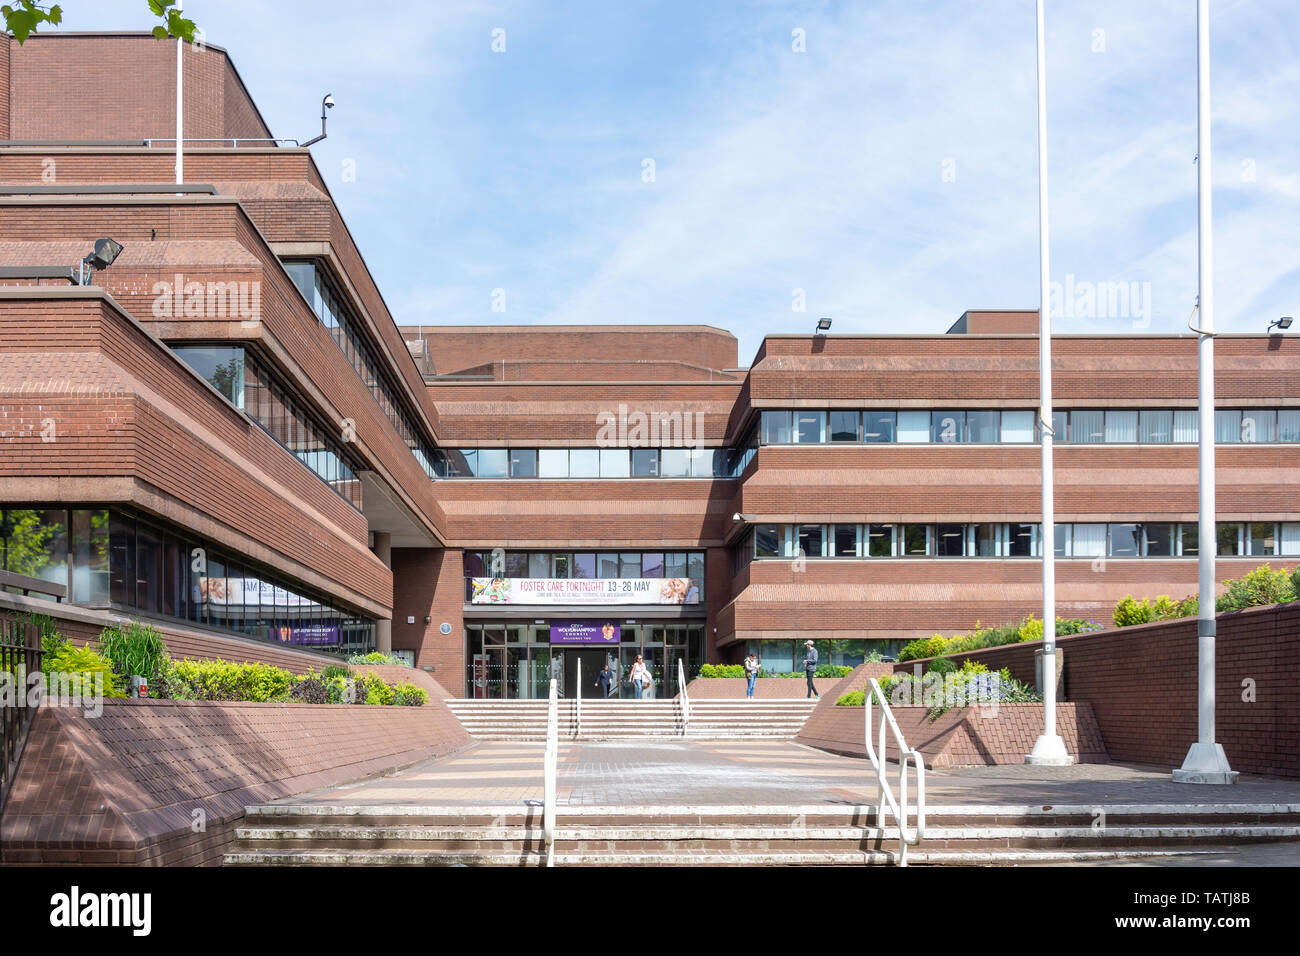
751 672
640 676
810 668
606 680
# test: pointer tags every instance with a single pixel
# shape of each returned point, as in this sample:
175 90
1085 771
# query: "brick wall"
1142 685
430 582
125 787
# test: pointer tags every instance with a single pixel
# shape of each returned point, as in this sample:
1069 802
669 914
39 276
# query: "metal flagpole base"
1049 752
1206 763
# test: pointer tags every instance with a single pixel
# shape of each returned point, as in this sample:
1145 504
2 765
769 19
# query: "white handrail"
549 774
577 702
906 755
681 693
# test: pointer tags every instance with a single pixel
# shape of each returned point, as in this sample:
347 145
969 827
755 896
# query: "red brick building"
228 431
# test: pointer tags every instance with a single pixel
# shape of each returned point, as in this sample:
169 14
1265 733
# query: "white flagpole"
1205 762
1049 748
180 105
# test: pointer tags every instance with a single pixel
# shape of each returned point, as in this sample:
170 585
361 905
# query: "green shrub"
374 690
923 647
1259 587
335 670
135 649
375 657
722 670
85 663
1129 612
226 681
408 695
310 690
854 698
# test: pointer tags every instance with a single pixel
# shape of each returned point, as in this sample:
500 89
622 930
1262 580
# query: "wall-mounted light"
102 256
1281 324
823 326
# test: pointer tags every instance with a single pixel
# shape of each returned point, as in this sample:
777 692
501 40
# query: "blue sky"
888 170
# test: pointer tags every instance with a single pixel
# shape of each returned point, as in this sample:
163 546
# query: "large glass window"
615 463
982 426
1087 426
1126 540
1288 425
1159 539
880 540
913 427
1227 425
1263 538
776 428
523 463
1258 425
645 462
916 540
987 539
1188 535
809 427
1230 539
675 462
1089 540
1187 426
811 538
948 427
1122 426
34 543
1021 540
584 462
844 426
950 540
767 541
845 541
1018 426
553 463
878 426
493 463
1156 425
221 366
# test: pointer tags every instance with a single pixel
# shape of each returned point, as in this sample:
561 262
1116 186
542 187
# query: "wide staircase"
623 719
320 835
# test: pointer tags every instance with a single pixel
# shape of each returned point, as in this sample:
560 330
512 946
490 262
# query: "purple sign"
306 633
585 632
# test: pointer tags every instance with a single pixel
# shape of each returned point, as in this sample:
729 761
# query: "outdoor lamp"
823 325
1283 323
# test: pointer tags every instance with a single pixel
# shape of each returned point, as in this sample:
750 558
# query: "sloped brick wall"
128 786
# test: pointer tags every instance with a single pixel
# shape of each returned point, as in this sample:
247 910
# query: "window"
701 462
629 564
1259 425
615 463
584 462
913 427
948 427
878 426
1122 426
809 427
1288 425
1263 538
1060 426
523 463
492 463
916 540
645 462
1187 426
1126 540
776 428
767 541
982 426
675 462
1064 536
652 565
845 542
1230 539
222 367
1018 426
1188 535
844 426
1155 425
1087 426
1022 540
695 571
1290 539
811 537
516 564
539 565
675 565
553 463
1158 539
607 566
950 540
1227 426
559 565
880 540
584 566
987 539
1089 541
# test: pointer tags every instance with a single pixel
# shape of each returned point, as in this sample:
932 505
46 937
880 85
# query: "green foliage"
374 690
84 662
135 649
408 695
310 690
24 16
1259 587
335 670
1030 629
923 647
854 698
722 670
375 657
738 670
227 681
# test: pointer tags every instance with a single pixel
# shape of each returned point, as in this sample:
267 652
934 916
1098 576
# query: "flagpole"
180 105
1205 762
1049 748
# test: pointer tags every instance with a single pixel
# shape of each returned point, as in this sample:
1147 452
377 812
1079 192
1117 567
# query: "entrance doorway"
592 662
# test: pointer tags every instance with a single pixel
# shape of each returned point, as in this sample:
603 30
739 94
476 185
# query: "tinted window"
844 426
877 426
776 428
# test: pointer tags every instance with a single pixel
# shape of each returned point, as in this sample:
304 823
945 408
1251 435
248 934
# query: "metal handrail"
577 701
549 774
20 660
681 694
906 755
30 585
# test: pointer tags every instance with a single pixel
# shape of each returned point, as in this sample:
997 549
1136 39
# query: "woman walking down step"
751 672
640 677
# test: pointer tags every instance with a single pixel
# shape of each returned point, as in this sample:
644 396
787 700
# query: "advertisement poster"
603 591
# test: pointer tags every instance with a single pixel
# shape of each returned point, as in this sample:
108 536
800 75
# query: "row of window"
1123 426
1012 540
247 383
588 463
114 557
346 331
591 565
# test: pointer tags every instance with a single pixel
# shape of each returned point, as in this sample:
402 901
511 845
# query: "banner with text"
585 591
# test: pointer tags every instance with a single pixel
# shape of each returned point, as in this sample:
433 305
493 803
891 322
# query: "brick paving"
760 773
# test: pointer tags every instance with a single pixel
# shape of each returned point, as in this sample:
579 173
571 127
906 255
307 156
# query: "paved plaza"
762 773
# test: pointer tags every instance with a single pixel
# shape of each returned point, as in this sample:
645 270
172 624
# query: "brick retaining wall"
123 788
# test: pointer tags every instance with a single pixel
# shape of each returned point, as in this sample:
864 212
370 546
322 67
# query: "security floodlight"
742 517
823 325
102 256
326 104
1283 323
